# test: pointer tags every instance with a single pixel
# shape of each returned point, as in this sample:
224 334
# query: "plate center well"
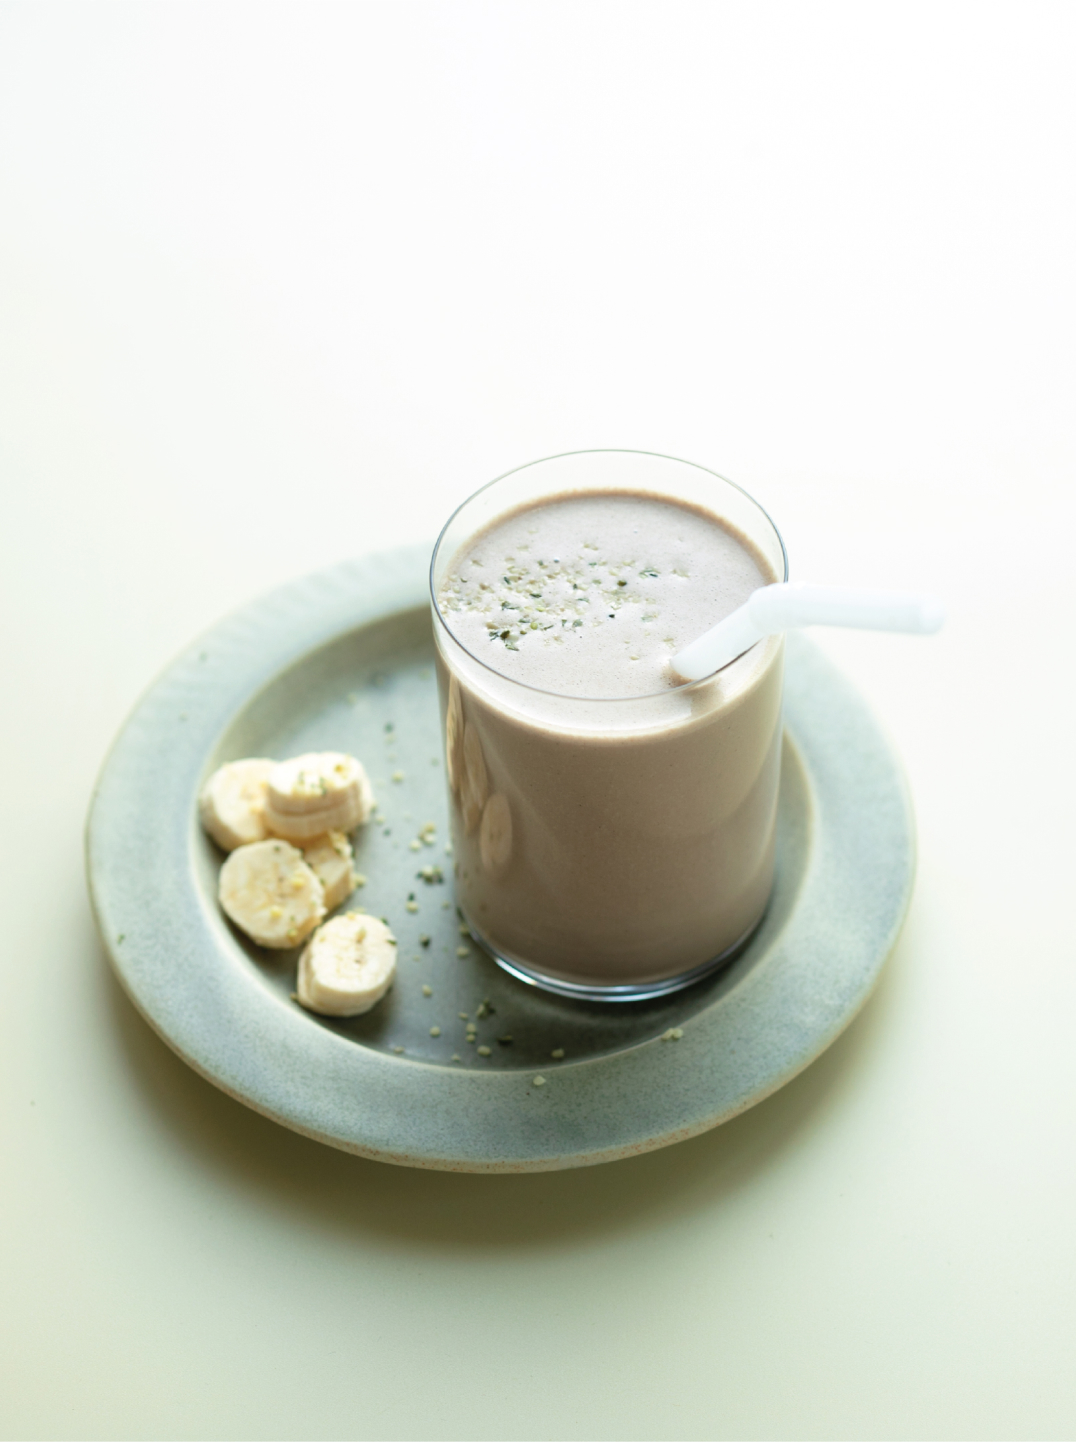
372 692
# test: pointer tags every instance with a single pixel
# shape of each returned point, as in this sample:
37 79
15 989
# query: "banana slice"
495 837
474 788
331 859
347 966
232 802
270 893
321 791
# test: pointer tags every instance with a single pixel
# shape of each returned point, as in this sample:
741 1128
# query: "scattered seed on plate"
435 1031
427 991
464 1015
557 1055
456 1056
463 951
539 1081
465 930
411 906
424 941
398 1050
415 845
397 776
470 1037
360 880
673 1034
484 1051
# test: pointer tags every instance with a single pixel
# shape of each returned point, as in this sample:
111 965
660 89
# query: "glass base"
631 991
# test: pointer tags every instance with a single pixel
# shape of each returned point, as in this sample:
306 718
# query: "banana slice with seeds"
331 859
347 966
232 802
318 792
270 893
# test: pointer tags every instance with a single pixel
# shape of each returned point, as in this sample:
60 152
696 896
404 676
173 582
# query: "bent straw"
787 607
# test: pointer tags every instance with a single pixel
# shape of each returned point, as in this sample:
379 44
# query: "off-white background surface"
280 285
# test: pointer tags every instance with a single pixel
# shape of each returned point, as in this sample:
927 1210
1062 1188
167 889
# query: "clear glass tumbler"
611 849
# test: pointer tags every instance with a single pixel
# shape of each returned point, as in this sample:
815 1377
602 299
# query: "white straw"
785 607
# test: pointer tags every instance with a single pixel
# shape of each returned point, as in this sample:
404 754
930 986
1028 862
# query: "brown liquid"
621 840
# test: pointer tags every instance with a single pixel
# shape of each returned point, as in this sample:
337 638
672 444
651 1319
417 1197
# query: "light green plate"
334 661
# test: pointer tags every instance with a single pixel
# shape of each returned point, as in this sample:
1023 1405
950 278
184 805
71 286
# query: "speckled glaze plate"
343 660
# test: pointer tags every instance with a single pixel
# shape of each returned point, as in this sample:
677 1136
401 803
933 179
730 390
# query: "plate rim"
752 1040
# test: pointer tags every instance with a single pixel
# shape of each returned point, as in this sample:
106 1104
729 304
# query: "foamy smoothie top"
590 595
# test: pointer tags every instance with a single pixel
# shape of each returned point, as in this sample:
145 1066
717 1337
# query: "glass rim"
596 451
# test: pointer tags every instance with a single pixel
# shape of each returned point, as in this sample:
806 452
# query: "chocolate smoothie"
613 827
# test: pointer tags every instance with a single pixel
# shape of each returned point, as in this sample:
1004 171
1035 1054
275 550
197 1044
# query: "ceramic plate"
343 660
